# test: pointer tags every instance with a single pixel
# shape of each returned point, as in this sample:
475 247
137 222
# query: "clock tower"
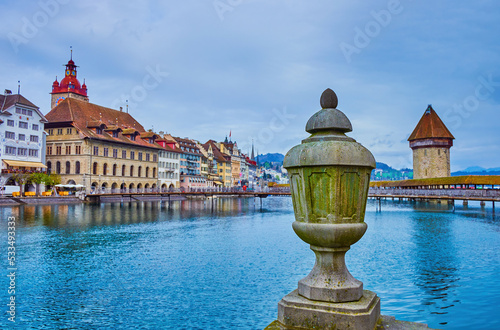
69 86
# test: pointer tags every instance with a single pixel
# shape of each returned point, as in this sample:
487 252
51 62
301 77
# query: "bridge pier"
483 203
465 202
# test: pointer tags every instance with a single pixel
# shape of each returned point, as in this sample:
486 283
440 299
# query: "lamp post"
329 178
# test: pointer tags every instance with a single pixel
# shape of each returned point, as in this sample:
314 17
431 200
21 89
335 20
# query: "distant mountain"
474 169
386 172
271 158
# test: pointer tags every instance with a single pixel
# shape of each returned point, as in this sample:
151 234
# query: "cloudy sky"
203 68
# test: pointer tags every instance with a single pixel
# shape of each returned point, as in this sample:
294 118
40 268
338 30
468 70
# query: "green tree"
53 179
21 179
38 178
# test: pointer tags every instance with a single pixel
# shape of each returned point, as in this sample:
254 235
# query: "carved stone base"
297 312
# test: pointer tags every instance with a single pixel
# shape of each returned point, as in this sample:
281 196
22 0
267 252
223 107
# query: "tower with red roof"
69 86
431 142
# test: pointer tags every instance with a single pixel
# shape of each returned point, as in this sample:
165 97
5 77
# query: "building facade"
168 165
431 142
22 136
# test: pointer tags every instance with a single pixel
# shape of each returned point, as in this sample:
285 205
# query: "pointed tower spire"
252 157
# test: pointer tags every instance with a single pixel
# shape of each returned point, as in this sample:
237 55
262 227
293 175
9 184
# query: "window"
154 158
124 154
10 122
59 131
69 131
114 169
10 150
96 151
49 150
35 127
132 155
77 167
49 167
68 167
33 138
68 150
33 152
78 150
132 170
115 134
58 168
148 157
94 168
22 151
105 169
58 150
123 170
132 137
21 137
147 172
106 152
140 155
98 130
10 135
115 153
50 131
139 171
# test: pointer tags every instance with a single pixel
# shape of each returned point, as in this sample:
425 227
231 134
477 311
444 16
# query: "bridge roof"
451 180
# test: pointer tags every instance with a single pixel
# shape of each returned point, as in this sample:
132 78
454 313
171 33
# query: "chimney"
121 109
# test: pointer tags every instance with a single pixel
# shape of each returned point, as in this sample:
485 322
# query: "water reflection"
435 262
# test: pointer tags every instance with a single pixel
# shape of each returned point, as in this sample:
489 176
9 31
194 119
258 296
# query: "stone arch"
139 185
146 186
71 182
131 186
171 186
114 185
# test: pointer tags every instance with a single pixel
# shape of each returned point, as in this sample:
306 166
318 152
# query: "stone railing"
454 193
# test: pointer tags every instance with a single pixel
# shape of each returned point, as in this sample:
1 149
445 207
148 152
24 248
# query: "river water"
225 265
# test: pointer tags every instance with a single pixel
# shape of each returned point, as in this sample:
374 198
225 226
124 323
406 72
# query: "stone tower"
69 86
431 142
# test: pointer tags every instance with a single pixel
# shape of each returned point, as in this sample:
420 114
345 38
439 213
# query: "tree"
21 179
38 178
53 179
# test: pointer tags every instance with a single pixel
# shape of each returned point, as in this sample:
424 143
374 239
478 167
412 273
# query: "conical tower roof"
430 126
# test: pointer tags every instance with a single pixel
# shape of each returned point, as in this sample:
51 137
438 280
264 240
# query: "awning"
217 182
21 163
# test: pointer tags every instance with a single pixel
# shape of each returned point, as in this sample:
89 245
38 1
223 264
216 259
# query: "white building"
22 136
168 165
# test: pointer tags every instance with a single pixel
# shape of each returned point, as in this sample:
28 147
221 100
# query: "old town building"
22 137
169 163
98 147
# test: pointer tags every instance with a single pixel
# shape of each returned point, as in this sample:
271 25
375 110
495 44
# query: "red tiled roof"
217 154
82 114
430 126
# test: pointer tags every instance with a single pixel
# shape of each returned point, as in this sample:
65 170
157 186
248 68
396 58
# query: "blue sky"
257 68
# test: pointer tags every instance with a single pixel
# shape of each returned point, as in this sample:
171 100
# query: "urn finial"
329 99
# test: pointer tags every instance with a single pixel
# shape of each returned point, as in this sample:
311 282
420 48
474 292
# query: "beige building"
431 142
100 148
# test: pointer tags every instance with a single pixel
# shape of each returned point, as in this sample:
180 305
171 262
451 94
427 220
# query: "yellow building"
100 147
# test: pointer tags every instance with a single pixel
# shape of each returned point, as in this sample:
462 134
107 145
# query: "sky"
256 69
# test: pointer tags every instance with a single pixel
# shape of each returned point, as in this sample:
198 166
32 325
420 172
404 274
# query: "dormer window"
98 130
132 137
115 134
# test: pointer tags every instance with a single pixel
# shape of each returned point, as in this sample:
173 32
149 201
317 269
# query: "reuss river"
192 265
